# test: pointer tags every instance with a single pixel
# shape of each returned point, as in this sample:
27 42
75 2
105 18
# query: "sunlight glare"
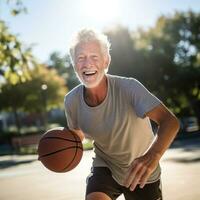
101 10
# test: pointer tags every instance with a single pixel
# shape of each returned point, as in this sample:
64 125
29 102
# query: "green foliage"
64 68
28 96
15 61
22 78
165 58
175 40
87 144
123 54
16 7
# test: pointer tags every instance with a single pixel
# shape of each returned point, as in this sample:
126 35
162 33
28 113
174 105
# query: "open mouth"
90 73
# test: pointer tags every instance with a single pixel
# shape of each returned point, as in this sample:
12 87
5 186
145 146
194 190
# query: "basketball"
60 149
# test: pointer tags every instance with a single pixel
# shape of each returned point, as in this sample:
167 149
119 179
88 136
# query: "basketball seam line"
48 154
61 139
74 155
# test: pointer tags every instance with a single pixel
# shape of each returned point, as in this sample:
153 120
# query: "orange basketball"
60 150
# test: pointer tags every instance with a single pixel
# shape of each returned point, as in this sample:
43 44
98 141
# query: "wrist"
154 154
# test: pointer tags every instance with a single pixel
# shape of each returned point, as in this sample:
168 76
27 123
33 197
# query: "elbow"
171 123
175 124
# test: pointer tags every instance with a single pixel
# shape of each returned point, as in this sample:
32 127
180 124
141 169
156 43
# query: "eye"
95 57
80 58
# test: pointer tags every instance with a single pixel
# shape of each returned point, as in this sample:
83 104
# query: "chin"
91 85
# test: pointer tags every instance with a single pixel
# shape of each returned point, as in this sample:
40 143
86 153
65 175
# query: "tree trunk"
195 104
17 120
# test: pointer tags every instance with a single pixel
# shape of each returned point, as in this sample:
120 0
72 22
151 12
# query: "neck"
95 96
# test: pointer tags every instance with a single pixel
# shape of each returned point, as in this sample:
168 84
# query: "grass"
6 150
31 129
87 144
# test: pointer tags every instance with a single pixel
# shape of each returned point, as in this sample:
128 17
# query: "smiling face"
90 63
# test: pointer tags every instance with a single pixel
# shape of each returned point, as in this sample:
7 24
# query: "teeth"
89 73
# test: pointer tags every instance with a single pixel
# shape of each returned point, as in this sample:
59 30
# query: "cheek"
103 64
77 66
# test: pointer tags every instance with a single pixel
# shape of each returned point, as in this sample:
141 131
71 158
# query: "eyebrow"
80 55
92 54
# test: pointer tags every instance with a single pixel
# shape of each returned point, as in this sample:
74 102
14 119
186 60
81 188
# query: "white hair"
87 35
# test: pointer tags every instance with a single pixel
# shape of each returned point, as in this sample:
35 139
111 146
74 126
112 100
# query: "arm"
143 166
79 133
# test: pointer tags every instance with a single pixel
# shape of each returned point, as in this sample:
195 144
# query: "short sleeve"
70 115
143 100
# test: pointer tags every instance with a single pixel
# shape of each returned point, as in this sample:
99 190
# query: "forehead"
88 47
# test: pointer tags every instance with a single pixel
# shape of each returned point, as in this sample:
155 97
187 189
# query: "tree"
171 49
64 68
31 96
123 54
165 58
25 85
15 60
16 7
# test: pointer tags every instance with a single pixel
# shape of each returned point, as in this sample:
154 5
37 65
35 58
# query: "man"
115 111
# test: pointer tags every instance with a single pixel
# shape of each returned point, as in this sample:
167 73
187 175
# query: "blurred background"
156 42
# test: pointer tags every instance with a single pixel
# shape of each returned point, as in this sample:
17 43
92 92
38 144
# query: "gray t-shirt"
118 126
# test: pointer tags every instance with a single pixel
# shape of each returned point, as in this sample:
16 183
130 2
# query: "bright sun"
101 10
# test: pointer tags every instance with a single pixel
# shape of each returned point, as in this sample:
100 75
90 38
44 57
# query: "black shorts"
101 180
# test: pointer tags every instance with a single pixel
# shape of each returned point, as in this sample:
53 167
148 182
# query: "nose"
88 63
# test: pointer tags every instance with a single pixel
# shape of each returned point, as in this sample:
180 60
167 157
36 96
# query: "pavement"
25 178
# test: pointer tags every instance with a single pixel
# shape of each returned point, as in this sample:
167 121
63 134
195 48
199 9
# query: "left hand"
140 170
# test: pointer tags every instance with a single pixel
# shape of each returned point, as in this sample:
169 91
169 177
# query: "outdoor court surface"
24 178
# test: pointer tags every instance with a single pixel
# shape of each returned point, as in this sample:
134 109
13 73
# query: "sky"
50 24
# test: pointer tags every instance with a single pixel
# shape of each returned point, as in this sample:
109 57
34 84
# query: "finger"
144 179
132 174
137 178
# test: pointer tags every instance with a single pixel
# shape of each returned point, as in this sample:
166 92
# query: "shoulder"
73 95
126 83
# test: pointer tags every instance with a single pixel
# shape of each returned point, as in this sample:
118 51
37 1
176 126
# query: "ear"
107 61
